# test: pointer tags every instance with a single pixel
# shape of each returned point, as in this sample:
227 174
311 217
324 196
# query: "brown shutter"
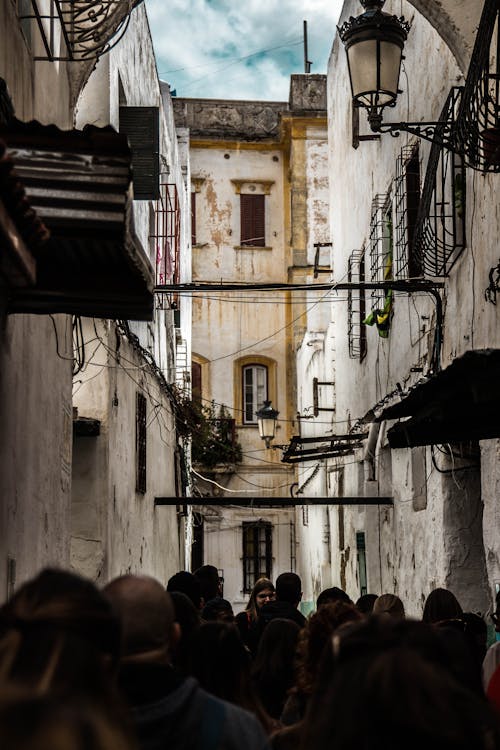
413 204
142 127
196 381
193 218
252 213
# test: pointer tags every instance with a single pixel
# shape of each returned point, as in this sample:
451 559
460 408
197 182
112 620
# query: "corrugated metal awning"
79 183
459 404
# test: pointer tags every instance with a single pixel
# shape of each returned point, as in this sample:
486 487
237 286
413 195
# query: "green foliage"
212 432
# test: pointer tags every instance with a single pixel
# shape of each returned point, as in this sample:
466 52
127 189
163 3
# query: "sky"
239 50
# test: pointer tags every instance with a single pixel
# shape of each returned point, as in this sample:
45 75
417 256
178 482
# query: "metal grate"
257 553
356 306
82 29
406 209
167 238
140 443
440 229
381 243
478 131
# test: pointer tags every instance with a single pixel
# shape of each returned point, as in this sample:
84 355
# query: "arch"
456 22
272 391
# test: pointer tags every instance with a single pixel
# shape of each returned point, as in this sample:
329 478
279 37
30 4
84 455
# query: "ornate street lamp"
374 44
266 420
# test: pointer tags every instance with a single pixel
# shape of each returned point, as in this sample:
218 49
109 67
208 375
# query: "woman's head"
394 670
58 632
389 605
441 605
318 630
262 592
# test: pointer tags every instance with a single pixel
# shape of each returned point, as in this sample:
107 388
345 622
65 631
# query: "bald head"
146 613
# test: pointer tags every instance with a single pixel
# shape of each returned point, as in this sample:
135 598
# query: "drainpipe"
370 451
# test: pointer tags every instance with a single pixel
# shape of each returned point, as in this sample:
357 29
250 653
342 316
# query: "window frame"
140 443
254 366
255 533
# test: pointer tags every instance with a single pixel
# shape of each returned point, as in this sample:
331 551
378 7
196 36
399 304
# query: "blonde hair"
389 604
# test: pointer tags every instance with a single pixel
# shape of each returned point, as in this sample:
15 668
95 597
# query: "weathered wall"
432 536
116 529
35 383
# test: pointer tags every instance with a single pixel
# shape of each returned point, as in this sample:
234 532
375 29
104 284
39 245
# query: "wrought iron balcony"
77 30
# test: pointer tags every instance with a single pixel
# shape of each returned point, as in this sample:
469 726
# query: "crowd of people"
137 666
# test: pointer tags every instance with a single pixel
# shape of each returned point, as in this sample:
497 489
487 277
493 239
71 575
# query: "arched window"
254 391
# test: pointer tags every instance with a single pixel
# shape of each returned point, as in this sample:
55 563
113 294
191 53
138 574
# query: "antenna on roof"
307 63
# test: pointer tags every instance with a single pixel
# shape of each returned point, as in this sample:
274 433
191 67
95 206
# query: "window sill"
252 247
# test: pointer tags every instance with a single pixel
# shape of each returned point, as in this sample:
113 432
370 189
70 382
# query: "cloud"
214 48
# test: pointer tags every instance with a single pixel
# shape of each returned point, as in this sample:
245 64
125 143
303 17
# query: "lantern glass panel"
266 428
374 67
390 63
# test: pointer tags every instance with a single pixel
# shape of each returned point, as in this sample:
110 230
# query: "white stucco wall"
432 536
35 383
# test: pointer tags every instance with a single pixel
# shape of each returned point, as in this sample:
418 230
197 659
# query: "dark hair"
365 603
58 627
221 663
33 722
288 588
208 578
273 668
314 637
386 667
187 584
215 607
333 594
440 605
188 618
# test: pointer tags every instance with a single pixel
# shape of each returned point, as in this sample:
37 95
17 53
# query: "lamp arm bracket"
440 132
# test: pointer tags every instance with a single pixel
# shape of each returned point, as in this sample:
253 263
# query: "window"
407 202
361 560
193 218
142 127
196 382
140 443
356 306
257 553
254 391
252 216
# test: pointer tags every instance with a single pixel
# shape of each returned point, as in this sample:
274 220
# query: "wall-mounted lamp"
374 43
266 420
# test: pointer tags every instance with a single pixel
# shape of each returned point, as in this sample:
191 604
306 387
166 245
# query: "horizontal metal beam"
270 502
422 285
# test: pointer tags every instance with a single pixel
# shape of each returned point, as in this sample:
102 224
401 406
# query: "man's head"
147 616
208 577
289 588
187 584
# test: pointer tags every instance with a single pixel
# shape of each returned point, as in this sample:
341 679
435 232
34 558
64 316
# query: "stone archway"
456 21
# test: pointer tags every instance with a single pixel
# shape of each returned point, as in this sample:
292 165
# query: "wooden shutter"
413 205
196 381
193 219
253 220
142 127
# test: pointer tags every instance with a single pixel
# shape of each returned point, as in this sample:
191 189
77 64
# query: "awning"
79 183
329 446
460 403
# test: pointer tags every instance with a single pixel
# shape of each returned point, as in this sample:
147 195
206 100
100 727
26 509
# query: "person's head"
218 610
208 578
59 633
389 605
441 605
393 669
331 595
262 592
188 618
318 630
289 588
219 660
365 603
34 722
146 612
187 584
273 668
